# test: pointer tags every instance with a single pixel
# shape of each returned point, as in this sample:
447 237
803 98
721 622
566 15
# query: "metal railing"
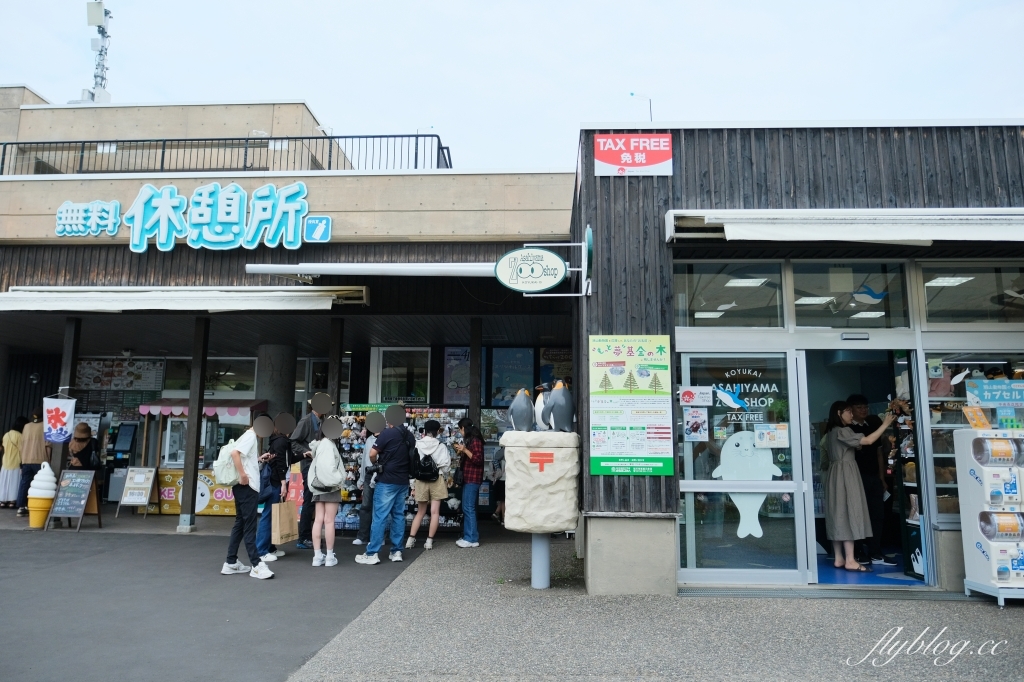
348 152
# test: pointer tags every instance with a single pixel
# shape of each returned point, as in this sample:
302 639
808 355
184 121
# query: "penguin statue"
543 392
520 412
560 411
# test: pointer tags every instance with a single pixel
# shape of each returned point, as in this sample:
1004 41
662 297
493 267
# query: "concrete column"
68 363
334 357
275 377
476 335
5 359
194 435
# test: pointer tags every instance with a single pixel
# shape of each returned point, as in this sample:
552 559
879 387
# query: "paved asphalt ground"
127 605
104 606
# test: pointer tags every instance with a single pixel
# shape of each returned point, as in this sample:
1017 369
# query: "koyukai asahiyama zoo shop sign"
214 217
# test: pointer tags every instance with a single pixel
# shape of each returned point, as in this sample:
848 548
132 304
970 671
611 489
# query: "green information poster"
631 406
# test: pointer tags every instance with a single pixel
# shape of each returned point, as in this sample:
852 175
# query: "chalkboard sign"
76 496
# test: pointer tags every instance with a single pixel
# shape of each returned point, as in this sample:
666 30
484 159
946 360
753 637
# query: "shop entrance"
869 380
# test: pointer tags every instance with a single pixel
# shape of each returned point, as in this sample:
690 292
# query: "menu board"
124 405
123 374
72 494
631 406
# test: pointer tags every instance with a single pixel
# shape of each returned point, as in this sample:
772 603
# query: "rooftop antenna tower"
99 16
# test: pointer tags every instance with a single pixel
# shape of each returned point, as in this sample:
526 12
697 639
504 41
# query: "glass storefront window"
511 370
956 380
974 293
404 376
727 294
221 374
855 295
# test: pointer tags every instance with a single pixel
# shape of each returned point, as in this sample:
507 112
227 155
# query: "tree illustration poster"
631 406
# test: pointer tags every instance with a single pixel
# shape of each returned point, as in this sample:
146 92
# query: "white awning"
210 299
375 269
916 227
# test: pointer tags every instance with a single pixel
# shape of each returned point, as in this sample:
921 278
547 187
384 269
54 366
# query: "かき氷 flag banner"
57 415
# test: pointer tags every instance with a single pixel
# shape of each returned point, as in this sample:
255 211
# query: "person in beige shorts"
430 492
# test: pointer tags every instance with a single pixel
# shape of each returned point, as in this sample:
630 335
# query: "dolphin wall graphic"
868 296
732 399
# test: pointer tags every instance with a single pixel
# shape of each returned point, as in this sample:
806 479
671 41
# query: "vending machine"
990 464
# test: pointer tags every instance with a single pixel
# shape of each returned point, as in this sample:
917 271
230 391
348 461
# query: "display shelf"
913 522
950 427
947 485
910 483
933 399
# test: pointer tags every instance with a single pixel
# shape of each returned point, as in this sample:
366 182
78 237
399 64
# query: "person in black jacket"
273 489
304 432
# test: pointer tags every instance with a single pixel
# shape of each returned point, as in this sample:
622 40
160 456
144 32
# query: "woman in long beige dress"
846 508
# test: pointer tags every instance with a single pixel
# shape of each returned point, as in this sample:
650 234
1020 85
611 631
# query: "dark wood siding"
21 396
759 168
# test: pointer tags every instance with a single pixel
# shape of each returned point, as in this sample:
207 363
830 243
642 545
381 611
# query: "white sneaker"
428 543
395 556
368 560
357 541
330 559
278 552
260 572
410 543
462 542
318 558
269 556
232 569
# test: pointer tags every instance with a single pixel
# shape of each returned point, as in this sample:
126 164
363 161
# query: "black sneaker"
23 511
883 561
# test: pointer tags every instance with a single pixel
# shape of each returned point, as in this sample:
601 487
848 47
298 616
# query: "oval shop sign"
530 270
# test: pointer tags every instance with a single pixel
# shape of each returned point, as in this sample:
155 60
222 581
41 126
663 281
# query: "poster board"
212 499
138 489
76 497
631 411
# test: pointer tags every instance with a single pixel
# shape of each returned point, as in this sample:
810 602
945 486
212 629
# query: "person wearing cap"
83 451
871 463
305 431
430 492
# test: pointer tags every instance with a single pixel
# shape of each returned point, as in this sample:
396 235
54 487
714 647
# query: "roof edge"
841 123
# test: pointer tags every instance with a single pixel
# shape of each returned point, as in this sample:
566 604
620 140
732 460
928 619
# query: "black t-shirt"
867 456
393 456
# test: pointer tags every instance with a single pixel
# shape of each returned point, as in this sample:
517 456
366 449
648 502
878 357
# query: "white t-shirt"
248 446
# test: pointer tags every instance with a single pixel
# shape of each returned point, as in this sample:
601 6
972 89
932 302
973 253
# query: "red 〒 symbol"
542 458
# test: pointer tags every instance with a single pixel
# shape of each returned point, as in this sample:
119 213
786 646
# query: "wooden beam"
194 433
476 334
334 357
68 363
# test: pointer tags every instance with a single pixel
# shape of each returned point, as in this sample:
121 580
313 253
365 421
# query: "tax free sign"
214 217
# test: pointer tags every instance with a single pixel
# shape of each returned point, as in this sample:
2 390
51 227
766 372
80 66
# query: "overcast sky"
506 84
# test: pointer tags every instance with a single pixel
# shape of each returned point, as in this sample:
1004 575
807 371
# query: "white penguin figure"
520 412
543 393
559 411
741 461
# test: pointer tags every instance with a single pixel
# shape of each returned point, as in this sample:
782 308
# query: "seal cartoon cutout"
741 461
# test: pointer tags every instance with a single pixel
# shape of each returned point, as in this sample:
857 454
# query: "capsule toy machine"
989 468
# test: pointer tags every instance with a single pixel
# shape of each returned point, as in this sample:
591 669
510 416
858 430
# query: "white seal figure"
741 461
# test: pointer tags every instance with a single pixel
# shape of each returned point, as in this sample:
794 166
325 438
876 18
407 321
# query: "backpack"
425 469
325 473
224 468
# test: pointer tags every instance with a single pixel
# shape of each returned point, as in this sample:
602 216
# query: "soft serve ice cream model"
741 461
40 496
988 464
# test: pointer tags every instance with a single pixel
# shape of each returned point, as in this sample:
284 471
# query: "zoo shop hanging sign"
530 270
630 406
214 217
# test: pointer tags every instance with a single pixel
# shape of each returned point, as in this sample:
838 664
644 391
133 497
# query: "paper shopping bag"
284 523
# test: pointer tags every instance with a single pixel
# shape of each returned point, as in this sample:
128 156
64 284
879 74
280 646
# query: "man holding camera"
390 459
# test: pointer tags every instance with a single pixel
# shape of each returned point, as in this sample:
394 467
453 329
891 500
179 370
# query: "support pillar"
275 377
334 358
5 361
476 335
68 363
194 434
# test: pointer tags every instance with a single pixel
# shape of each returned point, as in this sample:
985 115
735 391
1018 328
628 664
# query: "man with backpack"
246 490
431 460
391 454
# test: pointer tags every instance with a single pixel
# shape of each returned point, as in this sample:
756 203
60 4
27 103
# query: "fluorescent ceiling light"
947 281
707 316
814 300
746 282
867 314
